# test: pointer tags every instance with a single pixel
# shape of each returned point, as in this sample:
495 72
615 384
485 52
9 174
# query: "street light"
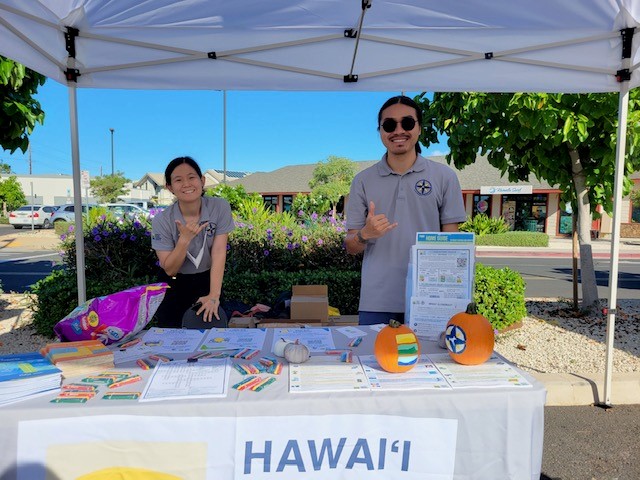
112 171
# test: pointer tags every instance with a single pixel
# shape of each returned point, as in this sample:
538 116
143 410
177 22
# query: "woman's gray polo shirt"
214 210
421 200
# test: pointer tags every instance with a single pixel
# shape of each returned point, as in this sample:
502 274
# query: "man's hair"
409 103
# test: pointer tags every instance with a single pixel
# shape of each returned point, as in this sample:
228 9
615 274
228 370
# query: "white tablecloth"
498 433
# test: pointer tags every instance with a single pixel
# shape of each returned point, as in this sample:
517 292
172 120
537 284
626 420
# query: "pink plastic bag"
112 318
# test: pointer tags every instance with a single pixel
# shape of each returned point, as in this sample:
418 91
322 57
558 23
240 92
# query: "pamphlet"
495 372
424 375
326 373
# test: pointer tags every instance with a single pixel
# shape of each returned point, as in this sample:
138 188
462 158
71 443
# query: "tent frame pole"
621 144
77 195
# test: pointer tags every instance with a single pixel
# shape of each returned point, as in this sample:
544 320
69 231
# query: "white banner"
358 447
212 448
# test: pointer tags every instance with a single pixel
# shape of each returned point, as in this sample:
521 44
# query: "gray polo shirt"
421 200
214 210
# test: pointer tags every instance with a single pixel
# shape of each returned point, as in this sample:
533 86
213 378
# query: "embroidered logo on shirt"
423 187
157 236
210 229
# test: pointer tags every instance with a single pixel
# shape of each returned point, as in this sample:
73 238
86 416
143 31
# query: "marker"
158 357
143 364
126 381
267 382
121 396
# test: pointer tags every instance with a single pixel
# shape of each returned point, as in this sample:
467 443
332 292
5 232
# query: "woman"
190 239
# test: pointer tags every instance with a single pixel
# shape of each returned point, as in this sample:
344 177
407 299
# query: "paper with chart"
182 379
234 338
424 375
317 339
495 372
326 373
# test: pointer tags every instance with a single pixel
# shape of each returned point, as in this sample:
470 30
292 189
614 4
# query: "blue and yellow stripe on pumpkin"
407 349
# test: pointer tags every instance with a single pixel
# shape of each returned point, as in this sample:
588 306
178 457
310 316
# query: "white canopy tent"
347 45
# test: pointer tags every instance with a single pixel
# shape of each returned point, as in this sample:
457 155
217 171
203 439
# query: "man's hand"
376 226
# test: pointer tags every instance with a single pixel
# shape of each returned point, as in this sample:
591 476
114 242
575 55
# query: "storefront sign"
507 190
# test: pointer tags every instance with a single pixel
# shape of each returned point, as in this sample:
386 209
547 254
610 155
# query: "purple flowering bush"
118 249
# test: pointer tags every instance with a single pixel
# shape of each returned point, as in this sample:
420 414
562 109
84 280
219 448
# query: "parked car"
66 213
126 210
36 215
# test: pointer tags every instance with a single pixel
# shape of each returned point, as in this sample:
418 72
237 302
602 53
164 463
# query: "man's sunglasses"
407 124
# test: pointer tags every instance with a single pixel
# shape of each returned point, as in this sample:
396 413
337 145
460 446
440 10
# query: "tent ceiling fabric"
411 45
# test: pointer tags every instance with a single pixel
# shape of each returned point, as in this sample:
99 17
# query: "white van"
126 210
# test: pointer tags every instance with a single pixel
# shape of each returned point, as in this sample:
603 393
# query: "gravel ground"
552 339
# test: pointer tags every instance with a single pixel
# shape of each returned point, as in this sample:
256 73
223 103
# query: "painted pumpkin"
396 348
469 337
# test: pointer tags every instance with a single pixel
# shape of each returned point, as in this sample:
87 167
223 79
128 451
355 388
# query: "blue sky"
265 130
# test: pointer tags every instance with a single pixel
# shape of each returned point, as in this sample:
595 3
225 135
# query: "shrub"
499 295
264 287
4 220
61 227
481 224
514 239
305 204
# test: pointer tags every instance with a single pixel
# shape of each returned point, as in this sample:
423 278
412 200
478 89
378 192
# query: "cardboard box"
309 303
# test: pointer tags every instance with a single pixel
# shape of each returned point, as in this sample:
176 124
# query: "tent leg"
623 107
77 195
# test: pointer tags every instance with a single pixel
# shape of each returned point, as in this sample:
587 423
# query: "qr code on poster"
462 262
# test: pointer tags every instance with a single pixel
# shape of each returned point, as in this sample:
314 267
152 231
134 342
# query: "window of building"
287 202
529 212
482 204
271 201
635 206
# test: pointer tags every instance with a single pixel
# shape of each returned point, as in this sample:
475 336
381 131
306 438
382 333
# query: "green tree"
11 194
19 111
109 187
235 195
5 168
568 140
332 179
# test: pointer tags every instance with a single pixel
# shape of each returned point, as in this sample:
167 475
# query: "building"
153 183
532 205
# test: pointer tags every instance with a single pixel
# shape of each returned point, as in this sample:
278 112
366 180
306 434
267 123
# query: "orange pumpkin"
469 337
396 348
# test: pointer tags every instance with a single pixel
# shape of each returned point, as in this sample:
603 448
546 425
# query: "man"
389 202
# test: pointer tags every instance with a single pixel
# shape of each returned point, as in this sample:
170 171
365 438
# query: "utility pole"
30 163
112 170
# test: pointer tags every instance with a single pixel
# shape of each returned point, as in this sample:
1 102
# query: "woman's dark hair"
409 103
173 164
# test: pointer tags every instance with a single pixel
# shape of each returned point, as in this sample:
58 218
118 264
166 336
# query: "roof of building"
295 178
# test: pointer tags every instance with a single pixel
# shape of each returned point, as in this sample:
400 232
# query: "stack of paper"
79 358
25 375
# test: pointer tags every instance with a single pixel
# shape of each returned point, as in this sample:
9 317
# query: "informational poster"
441 283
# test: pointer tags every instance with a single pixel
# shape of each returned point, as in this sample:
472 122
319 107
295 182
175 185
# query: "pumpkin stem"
472 308
393 323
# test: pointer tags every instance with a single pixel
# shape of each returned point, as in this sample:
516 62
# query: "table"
488 433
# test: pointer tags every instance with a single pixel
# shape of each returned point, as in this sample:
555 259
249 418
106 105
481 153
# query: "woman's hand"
209 305
190 230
